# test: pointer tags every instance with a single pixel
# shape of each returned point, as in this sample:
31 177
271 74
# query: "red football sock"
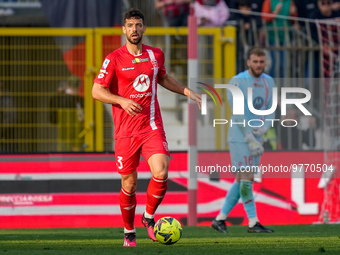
155 193
127 202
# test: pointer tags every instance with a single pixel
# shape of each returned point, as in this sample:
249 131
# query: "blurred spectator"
176 12
336 5
255 6
245 30
305 7
283 8
68 97
67 113
244 6
324 11
70 86
8 117
293 137
211 12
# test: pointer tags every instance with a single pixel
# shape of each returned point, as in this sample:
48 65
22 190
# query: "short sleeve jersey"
134 77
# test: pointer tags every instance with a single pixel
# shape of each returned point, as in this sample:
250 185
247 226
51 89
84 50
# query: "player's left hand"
255 147
193 96
259 131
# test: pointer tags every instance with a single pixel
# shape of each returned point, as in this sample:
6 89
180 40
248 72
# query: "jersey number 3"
119 162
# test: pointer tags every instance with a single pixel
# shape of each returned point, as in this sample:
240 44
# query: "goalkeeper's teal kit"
244 147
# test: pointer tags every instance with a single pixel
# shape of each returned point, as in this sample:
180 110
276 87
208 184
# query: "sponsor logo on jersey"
141 83
128 68
257 85
258 103
102 73
147 94
106 62
140 60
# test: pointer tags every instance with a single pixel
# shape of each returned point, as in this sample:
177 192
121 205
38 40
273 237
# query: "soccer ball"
168 230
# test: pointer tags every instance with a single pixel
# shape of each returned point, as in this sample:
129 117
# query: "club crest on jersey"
154 63
140 60
106 62
141 83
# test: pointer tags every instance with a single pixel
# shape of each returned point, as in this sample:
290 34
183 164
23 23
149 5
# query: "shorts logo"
140 60
165 144
141 83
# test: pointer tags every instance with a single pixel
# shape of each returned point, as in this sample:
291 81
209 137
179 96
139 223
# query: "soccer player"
245 142
128 80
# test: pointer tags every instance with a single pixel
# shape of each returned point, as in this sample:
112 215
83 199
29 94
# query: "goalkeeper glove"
255 147
259 131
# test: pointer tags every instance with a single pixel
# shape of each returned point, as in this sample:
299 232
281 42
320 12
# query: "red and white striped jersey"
134 77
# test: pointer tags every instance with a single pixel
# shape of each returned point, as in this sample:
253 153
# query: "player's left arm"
171 84
268 124
260 131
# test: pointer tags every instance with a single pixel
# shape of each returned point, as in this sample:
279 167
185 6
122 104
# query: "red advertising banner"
81 190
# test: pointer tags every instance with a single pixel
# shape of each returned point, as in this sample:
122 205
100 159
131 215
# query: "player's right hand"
255 147
259 131
131 107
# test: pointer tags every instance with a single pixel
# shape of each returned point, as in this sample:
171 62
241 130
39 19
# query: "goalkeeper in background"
245 141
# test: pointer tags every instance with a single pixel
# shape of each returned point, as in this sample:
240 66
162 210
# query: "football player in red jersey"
128 80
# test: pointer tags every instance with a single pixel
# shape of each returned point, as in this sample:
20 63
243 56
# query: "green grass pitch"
292 239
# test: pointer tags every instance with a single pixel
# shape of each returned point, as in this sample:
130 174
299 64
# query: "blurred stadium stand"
22 13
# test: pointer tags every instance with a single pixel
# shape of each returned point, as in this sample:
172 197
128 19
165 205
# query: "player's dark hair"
134 14
256 51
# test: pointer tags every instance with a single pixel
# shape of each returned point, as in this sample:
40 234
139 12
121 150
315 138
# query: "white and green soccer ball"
168 230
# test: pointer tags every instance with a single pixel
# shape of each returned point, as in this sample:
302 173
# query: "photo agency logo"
211 92
301 96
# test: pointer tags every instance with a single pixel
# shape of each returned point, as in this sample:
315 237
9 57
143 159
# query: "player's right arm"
103 94
242 85
101 91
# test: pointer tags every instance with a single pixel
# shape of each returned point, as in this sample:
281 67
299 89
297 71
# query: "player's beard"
135 41
258 72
